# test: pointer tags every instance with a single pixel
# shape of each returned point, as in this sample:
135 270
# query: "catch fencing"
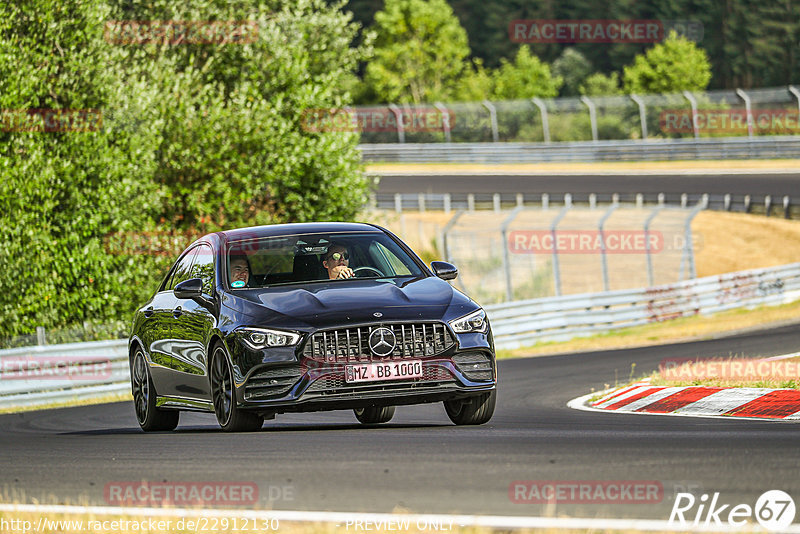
42 375
690 115
541 251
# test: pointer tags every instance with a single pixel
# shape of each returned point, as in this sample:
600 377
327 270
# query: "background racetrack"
420 461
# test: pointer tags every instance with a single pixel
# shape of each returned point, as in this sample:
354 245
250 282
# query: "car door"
169 323
194 322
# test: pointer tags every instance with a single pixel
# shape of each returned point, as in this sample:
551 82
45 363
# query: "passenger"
240 271
336 261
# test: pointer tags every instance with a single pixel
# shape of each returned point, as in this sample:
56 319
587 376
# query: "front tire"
475 410
150 418
229 416
374 415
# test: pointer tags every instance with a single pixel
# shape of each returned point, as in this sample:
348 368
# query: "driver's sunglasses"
336 256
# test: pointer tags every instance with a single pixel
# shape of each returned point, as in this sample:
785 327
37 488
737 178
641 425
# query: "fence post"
592 115
650 282
767 204
506 258
496 202
568 200
445 231
520 199
642 114
747 203
786 209
661 199
556 267
639 200
693 102
447 200
727 201
601 231
41 337
445 120
493 118
398 115
539 103
592 201
688 248
398 202
684 200
748 110
545 201
421 201
796 93
471 202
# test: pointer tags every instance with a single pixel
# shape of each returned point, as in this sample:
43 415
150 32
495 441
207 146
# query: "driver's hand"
343 272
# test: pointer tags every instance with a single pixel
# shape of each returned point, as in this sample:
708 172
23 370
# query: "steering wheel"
374 270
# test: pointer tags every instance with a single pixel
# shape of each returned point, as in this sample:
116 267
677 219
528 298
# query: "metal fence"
723 113
526 252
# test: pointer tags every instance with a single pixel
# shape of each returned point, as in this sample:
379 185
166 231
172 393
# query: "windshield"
297 259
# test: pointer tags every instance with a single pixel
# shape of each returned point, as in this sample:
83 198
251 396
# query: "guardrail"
47 374
448 202
42 375
586 151
524 323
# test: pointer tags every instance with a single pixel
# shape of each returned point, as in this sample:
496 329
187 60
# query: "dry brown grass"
729 242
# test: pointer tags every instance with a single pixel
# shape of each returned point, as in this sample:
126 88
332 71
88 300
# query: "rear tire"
475 410
374 415
229 416
150 418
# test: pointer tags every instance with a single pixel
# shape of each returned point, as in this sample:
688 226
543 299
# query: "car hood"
343 302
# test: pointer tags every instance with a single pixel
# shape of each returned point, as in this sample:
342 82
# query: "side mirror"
189 289
444 270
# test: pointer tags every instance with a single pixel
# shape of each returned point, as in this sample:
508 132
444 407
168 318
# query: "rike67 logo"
774 510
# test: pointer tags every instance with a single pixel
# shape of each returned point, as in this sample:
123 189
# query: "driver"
336 261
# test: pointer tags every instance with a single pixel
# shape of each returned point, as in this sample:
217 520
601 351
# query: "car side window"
183 270
203 267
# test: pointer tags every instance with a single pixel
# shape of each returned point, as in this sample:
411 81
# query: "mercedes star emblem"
382 341
377 314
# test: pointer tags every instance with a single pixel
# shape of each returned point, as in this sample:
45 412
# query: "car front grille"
272 382
414 340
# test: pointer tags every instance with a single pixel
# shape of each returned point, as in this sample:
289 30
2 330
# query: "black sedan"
253 322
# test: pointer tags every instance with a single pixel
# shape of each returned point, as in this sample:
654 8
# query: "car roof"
273 230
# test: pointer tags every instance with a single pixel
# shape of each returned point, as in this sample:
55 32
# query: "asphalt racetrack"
419 461
775 184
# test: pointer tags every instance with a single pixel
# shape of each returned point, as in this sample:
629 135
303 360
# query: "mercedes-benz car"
254 322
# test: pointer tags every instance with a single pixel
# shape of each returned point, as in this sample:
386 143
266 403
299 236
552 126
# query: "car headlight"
261 338
474 322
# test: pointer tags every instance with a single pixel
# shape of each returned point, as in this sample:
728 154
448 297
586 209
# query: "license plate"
368 372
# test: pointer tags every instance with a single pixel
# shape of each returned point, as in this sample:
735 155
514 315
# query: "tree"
420 52
526 77
65 185
675 65
598 84
190 133
573 68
